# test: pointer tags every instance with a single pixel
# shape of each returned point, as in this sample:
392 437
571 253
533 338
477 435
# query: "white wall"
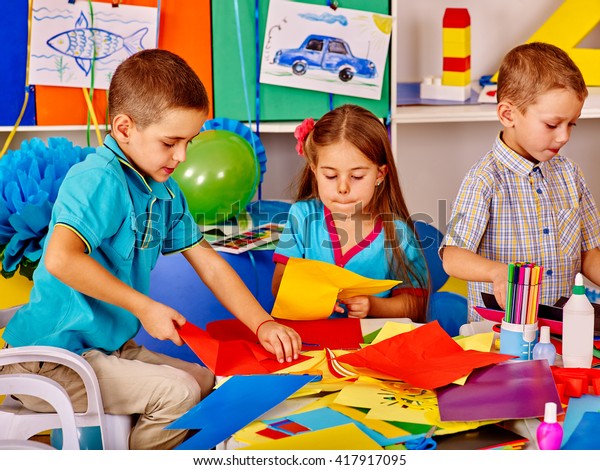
435 157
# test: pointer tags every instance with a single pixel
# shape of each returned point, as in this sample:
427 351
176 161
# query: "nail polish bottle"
545 349
549 432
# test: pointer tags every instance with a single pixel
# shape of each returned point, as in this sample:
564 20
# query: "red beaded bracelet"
258 327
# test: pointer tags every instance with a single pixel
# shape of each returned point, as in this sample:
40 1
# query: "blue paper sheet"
575 411
585 435
236 403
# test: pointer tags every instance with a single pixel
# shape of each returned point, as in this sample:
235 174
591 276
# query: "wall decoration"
313 47
67 39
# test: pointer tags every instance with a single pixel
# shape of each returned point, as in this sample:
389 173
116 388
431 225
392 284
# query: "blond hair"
530 70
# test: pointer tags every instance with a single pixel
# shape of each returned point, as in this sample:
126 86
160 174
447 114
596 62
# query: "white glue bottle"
578 328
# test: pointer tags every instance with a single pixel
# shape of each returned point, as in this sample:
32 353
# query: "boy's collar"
156 189
513 160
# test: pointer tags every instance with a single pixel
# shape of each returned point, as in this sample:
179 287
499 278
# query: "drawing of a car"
327 53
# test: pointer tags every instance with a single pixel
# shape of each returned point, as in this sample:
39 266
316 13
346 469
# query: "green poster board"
277 103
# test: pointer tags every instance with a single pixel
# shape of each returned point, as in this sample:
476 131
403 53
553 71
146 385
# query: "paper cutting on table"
231 357
309 289
236 403
345 437
426 357
326 417
510 390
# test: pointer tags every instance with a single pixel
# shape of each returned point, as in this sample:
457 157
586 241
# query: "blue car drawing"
326 53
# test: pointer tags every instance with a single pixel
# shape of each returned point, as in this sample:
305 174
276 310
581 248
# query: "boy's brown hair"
153 81
530 70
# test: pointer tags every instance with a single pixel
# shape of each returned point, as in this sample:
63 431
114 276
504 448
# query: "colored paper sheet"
575 411
585 435
490 436
389 401
231 357
510 390
426 357
383 427
478 342
13 64
333 333
345 437
309 289
236 403
323 418
390 329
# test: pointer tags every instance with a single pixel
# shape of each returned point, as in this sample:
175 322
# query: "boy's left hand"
280 340
358 307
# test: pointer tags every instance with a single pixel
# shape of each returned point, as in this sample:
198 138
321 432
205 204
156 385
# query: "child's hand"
338 307
280 340
159 321
500 283
358 307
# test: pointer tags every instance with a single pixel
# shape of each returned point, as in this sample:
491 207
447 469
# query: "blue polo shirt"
125 222
310 233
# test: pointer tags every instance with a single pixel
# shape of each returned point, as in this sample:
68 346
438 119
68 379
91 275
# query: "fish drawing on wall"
80 44
85 44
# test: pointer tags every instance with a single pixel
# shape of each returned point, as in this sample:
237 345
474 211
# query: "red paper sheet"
426 357
227 358
334 333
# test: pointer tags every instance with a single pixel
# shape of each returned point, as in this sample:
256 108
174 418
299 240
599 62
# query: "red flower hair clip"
301 132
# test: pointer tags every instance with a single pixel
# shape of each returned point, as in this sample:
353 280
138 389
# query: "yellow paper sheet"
309 289
479 342
346 437
390 329
382 427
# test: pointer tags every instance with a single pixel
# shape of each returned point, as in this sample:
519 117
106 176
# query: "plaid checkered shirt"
509 209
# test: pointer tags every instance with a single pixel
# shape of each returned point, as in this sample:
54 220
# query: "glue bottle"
578 328
549 432
545 349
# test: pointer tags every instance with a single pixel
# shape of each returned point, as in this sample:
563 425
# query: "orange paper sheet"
426 357
231 357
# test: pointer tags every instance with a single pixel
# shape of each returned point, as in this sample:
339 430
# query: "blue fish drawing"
85 44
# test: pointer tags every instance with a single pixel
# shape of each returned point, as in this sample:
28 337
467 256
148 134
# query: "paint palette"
241 242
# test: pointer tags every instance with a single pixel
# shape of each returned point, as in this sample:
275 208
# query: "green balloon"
219 177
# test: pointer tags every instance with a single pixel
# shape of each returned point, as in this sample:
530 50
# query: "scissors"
424 442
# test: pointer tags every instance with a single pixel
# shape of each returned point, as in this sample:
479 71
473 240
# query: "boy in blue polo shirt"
116 212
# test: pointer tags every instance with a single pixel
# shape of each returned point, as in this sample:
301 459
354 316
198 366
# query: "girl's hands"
358 307
280 340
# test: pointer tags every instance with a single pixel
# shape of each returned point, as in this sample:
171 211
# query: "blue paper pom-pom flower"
29 182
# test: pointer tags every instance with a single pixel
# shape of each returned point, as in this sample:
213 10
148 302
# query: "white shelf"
266 127
476 112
